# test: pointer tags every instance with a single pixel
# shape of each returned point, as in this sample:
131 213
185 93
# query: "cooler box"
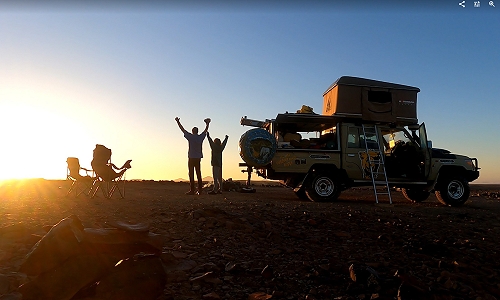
371 100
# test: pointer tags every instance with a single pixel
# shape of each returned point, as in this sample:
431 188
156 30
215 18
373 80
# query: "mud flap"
300 185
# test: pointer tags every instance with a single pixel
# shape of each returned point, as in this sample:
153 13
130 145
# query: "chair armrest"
87 171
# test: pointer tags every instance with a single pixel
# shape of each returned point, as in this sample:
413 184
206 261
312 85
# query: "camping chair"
107 180
79 184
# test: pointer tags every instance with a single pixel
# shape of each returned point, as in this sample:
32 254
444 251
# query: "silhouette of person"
195 154
217 148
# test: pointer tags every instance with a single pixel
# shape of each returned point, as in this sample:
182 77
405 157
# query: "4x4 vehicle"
321 155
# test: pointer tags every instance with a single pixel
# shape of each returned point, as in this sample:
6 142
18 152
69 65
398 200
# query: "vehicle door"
422 133
356 162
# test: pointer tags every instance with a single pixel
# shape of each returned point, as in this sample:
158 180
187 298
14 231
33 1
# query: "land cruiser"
367 135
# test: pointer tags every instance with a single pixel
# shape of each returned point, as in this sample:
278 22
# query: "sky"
73 76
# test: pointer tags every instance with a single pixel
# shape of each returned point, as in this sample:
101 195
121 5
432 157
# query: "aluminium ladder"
376 163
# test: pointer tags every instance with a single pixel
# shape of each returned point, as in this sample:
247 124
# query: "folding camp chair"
107 180
79 184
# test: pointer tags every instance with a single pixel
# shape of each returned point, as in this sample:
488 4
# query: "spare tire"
257 147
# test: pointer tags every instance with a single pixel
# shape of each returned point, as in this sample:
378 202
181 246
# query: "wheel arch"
446 172
317 168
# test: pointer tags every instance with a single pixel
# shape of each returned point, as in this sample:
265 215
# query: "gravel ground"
271 245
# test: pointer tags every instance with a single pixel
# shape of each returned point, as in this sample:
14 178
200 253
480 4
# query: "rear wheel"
323 187
415 194
453 191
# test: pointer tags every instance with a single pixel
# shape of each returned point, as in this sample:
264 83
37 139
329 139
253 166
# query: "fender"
320 167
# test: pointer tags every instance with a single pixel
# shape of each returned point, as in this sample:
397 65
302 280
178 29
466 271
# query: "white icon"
492 3
477 3
462 3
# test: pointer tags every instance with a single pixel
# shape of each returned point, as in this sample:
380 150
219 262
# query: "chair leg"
78 193
108 188
115 185
71 188
96 184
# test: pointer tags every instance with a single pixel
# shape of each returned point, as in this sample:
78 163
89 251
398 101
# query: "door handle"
350 155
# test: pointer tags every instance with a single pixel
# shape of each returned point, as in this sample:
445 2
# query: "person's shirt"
195 144
217 152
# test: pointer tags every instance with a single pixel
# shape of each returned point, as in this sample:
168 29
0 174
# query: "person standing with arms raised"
195 154
217 148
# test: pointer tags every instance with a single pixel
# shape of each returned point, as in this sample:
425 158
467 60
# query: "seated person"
100 164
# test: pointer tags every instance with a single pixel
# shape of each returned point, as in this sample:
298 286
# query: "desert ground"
272 245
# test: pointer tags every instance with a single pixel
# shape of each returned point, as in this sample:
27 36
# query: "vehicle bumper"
471 175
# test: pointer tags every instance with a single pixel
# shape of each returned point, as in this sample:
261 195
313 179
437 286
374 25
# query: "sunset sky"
72 76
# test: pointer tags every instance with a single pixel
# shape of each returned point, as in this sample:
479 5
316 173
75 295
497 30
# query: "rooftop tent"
371 100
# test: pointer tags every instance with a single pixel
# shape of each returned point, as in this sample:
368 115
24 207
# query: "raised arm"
210 139
207 121
178 120
224 142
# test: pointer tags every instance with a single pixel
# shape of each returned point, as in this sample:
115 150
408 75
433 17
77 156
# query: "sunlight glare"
36 141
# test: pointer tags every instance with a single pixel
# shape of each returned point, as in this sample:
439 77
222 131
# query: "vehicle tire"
324 187
257 147
453 191
415 194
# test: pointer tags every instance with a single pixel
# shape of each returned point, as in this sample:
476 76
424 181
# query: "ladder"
376 162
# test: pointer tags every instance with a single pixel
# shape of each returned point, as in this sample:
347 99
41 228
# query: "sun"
35 141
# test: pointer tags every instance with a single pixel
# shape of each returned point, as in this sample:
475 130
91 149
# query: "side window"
356 139
371 141
353 137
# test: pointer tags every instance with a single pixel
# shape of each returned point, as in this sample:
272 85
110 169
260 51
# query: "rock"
177 276
139 227
259 296
167 257
142 278
411 292
211 296
119 242
179 254
11 281
4 284
232 267
208 277
12 296
64 281
14 232
267 273
68 238
185 265
207 267
60 243
361 274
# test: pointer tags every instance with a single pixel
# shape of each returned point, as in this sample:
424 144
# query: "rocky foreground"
270 245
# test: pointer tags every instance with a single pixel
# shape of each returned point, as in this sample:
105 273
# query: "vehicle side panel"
301 160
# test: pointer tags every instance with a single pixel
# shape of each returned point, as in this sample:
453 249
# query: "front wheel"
415 194
323 187
453 191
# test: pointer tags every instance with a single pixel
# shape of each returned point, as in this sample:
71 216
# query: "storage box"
371 100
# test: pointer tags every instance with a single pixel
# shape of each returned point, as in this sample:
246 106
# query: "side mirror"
429 144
